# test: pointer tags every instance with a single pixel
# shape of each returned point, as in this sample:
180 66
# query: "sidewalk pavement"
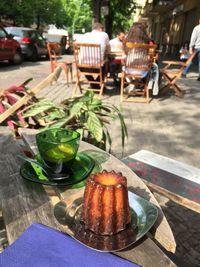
168 126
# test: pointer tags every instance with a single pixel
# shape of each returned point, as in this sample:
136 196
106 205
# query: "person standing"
184 55
195 44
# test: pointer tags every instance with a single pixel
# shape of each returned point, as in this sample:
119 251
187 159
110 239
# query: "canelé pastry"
106 209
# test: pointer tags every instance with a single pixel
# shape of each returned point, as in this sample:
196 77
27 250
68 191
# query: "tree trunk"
96 7
38 22
109 22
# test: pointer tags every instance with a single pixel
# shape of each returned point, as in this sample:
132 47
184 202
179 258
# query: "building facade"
170 22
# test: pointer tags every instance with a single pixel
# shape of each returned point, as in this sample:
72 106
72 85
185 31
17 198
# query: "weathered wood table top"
24 202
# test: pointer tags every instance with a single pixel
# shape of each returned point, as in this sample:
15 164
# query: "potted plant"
86 114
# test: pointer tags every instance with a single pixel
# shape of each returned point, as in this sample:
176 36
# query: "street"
17 74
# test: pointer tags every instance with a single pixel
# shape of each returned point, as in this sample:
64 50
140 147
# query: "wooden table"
24 202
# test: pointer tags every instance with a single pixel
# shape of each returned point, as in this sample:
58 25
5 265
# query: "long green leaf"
108 138
38 108
94 126
76 108
81 131
62 122
57 114
124 132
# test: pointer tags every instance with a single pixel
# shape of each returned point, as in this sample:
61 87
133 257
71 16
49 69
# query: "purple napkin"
42 246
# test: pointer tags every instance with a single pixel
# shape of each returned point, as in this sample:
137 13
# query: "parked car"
32 43
9 48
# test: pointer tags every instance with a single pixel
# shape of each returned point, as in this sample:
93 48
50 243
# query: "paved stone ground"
168 126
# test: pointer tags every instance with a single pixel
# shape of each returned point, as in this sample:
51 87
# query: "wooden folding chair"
54 50
137 71
89 68
172 75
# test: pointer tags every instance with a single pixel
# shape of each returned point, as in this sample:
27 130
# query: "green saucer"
80 169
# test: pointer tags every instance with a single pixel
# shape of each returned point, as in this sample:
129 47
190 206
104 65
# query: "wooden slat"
178 181
162 231
30 93
174 63
174 197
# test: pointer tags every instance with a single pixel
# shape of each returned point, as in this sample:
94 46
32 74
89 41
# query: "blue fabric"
199 60
189 65
187 68
41 246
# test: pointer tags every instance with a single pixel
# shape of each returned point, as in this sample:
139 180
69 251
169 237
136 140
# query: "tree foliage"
28 12
120 18
78 15
73 14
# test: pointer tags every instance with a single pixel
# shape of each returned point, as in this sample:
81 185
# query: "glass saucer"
143 216
80 169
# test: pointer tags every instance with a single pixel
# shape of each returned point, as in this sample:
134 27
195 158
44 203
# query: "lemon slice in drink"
68 150
54 154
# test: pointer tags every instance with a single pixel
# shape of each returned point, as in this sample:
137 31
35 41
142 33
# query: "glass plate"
81 168
143 217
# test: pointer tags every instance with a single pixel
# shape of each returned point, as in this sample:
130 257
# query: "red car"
9 48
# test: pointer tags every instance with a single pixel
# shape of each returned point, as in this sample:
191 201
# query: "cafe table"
115 54
24 202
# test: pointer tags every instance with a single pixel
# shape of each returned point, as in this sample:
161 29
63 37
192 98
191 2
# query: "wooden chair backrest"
53 50
139 56
87 55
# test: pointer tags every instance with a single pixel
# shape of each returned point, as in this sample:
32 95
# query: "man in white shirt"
97 36
116 44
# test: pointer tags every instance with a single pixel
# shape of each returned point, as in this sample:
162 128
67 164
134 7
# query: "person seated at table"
116 46
137 34
97 36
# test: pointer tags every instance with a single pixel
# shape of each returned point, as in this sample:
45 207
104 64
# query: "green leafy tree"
27 12
73 14
119 18
78 15
49 12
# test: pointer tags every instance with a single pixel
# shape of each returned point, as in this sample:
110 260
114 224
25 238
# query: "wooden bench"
177 181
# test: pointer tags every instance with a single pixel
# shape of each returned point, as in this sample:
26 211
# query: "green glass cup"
57 148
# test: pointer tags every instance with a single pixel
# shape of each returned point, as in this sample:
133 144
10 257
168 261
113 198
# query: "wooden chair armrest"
174 62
